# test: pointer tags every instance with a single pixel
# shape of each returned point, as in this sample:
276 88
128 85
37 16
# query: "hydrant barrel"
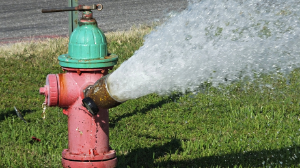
86 62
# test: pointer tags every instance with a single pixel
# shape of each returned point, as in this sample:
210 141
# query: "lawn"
245 124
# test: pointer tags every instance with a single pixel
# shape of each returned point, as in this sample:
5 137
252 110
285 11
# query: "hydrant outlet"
50 90
99 95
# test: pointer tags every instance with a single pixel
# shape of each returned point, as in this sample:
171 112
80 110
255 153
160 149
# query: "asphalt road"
21 20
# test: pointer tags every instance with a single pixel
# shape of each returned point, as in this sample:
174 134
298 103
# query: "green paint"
87 48
73 16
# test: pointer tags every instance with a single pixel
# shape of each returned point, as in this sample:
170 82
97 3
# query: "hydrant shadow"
147 108
284 157
144 157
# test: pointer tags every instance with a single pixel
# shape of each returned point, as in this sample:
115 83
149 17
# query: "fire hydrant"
87 61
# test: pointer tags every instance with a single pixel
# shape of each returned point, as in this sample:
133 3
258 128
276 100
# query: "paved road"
20 19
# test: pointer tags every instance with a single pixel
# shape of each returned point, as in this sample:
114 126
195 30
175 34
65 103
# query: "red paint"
65 112
88 136
36 139
95 152
50 90
89 157
104 164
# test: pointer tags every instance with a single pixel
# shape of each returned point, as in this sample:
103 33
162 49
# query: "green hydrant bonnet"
87 48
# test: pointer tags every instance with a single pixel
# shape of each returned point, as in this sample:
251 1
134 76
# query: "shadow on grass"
144 157
284 157
9 113
173 97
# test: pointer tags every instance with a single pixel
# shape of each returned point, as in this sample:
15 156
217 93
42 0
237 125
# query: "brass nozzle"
98 95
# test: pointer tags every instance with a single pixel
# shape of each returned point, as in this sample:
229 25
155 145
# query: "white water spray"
209 41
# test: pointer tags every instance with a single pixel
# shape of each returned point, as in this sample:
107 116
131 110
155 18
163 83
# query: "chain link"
44 110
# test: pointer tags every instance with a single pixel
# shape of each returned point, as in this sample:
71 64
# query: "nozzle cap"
90 105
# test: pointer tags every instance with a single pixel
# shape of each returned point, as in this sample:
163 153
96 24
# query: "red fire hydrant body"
86 62
88 135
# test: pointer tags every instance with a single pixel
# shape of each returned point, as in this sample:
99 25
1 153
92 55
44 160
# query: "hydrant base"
89 164
83 157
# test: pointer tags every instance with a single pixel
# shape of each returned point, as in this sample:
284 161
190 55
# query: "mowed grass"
245 124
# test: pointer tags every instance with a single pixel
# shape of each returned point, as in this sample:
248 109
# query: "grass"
230 127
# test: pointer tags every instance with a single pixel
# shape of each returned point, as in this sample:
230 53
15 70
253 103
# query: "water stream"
214 41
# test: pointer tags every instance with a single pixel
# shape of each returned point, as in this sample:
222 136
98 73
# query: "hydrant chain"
44 110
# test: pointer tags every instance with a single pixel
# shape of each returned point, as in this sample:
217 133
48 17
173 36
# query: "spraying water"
213 41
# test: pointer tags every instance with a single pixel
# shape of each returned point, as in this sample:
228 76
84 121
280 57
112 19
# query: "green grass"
240 125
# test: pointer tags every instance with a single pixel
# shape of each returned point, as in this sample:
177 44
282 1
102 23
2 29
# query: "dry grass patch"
49 46
135 32
39 48
46 51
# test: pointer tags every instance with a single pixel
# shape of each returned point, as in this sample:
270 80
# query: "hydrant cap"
87 48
